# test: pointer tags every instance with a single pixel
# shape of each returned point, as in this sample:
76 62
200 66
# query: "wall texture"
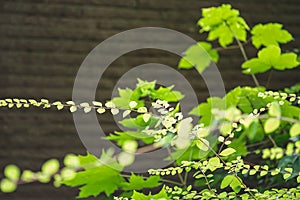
43 43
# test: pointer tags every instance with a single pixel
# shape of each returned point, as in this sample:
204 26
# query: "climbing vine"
245 145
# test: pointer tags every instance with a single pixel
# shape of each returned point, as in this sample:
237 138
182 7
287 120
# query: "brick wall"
43 43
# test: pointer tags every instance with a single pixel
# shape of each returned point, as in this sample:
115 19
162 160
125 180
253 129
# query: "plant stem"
186 173
163 180
243 53
260 122
216 154
175 165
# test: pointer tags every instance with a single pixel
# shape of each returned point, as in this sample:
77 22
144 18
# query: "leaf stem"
243 53
163 180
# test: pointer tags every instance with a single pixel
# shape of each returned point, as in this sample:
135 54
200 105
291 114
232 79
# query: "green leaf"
138 122
223 23
202 144
270 57
224 34
222 195
27 176
205 108
126 98
274 110
144 88
121 137
142 110
146 117
94 181
132 104
227 152
286 176
50 167
7 186
12 172
254 66
198 56
271 125
252 130
167 94
87 160
295 130
71 160
162 195
236 184
130 146
73 109
139 183
125 158
214 163
226 181
183 140
67 174
269 34
101 110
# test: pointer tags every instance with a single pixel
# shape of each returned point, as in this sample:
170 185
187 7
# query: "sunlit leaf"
50 167
198 56
295 130
269 34
7 186
271 125
12 172
270 57
227 152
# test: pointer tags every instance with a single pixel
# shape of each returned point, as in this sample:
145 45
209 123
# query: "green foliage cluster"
246 144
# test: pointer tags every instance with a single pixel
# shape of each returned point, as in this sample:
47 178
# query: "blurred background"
43 43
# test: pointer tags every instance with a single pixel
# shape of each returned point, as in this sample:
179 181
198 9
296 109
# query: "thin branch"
174 164
243 53
164 180
216 154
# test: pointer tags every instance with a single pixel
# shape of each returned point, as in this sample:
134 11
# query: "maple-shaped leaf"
223 23
125 97
166 93
268 58
269 34
121 137
140 196
199 56
93 181
137 182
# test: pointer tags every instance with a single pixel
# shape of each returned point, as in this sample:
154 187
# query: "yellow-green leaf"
146 117
100 110
71 160
142 110
227 152
50 167
73 109
275 110
285 176
7 186
202 144
12 172
271 125
295 130
133 104
114 111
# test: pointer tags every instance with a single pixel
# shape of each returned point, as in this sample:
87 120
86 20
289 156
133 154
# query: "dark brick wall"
43 42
